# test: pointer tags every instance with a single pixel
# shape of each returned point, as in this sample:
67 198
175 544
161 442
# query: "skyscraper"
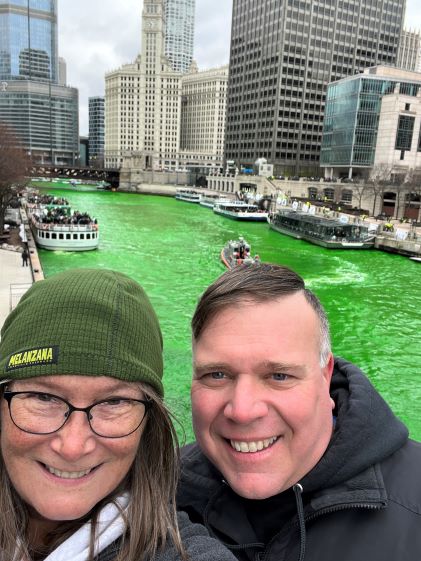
283 55
96 131
43 113
179 33
28 40
409 56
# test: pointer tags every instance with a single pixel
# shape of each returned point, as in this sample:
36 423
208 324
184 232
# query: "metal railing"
17 290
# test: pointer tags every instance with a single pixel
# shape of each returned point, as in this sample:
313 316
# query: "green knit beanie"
88 322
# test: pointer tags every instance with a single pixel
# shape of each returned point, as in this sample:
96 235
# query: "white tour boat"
187 195
238 210
55 227
211 199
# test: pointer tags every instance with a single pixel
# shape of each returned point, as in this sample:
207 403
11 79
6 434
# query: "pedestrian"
25 257
88 465
297 456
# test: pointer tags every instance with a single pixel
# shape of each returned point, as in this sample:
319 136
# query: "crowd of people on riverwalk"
297 456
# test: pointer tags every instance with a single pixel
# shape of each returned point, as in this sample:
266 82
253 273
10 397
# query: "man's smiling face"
262 412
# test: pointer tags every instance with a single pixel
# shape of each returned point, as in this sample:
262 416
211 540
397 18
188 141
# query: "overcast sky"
97 36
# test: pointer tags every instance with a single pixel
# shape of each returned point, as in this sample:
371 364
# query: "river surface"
373 299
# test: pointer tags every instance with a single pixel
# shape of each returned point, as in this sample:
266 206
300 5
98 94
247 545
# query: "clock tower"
160 93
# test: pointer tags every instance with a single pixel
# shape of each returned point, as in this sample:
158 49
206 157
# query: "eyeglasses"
45 413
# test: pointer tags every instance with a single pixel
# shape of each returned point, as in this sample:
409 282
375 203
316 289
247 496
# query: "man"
297 456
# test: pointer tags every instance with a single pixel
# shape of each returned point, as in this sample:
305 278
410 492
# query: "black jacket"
361 502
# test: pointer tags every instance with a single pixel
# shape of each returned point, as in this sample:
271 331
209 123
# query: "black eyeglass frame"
9 395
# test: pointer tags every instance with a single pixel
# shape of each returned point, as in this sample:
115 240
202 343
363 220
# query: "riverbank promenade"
14 281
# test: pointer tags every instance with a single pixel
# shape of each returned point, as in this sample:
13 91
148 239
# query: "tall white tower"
143 101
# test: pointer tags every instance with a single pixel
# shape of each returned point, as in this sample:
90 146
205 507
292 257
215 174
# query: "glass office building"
42 113
45 118
283 55
352 115
28 40
179 33
96 130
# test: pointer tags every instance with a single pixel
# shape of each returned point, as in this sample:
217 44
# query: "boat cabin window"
68 236
75 236
88 236
54 236
61 236
82 236
47 234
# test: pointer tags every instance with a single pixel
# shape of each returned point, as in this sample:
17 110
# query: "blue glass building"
43 114
28 40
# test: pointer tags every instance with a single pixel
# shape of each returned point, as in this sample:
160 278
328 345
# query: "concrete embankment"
36 267
410 248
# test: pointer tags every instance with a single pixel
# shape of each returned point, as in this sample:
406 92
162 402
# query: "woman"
88 466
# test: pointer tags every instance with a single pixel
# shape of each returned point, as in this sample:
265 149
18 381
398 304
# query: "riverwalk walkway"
14 281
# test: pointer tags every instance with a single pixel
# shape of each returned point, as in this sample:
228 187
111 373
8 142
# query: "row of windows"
74 236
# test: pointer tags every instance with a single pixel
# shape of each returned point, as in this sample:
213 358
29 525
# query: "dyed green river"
172 248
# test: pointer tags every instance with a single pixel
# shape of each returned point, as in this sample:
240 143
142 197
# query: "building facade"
96 131
45 118
282 56
203 111
42 112
409 55
143 102
28 40
179 33
373 121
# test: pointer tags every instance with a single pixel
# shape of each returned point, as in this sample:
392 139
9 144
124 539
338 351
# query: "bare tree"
379 181
412 188
14 168
359 190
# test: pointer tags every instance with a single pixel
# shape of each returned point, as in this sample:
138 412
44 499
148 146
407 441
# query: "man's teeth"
255 446
68 474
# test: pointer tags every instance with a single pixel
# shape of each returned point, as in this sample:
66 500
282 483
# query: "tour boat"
237 252
187 195
65 237
239 210
326 232
55 227
210 200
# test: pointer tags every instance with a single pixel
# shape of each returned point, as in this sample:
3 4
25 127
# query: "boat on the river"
237 252
55 227
187 195
239 210
211 199
326 232
417 259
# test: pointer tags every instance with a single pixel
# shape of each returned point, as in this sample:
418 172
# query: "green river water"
172 248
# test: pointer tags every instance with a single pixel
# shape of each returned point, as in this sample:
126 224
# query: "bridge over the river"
111 176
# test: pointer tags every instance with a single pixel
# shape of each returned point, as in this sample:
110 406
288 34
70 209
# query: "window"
404 133
329 194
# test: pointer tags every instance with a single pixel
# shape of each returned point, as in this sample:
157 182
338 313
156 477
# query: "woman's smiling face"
62 476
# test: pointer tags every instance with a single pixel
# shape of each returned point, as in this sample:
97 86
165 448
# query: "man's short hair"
258 282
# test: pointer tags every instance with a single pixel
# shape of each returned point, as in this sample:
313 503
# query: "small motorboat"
237 252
